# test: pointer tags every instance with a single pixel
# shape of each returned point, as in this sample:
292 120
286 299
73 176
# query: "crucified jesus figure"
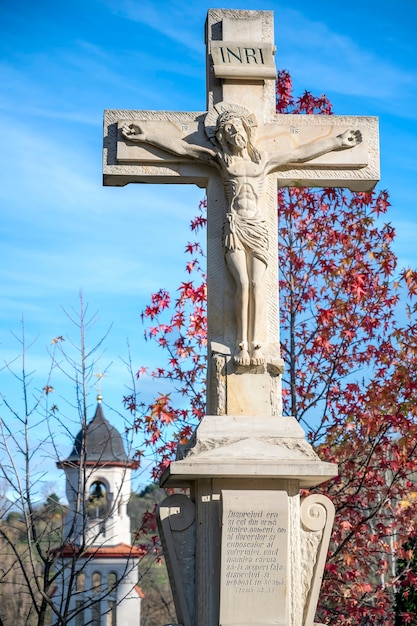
243 169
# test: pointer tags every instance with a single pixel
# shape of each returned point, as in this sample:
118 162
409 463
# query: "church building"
99 563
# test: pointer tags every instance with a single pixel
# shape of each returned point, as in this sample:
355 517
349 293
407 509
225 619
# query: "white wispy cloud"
166 20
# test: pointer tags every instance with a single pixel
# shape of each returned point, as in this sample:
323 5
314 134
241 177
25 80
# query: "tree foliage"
350 347
406 596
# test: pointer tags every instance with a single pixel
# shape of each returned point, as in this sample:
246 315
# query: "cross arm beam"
127 162
356 168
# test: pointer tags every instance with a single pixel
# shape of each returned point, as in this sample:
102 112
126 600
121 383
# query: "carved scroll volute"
176 523
317 517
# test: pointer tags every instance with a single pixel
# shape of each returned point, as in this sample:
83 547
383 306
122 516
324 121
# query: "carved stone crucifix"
240 150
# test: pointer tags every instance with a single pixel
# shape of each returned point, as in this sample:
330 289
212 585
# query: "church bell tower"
97 546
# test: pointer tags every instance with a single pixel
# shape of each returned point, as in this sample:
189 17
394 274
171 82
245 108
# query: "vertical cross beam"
240 71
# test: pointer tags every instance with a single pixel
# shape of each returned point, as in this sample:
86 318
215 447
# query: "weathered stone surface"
176 523
317 517
241 446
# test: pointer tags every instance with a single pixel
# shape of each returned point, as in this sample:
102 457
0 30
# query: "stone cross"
240 150
243 549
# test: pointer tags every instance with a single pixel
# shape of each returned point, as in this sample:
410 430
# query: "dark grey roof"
103 443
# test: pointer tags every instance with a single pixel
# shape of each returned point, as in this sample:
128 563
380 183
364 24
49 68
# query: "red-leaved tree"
350 349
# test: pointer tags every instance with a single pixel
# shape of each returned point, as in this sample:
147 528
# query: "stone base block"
247 447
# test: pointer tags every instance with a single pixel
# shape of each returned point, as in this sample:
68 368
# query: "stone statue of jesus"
243 169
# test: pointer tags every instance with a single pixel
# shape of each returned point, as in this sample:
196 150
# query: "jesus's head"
234 133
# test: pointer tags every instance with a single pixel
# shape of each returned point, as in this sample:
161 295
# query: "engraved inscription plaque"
236 60
253 584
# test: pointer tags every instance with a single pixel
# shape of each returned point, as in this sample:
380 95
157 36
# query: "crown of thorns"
228 115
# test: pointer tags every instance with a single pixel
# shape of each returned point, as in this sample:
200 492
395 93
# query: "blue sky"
62 64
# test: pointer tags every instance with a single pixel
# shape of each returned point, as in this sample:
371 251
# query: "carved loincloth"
244 233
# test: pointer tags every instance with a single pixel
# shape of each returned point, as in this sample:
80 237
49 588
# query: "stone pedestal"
253 548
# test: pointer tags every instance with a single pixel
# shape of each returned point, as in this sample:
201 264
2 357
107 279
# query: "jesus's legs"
257 321
248 273
237 264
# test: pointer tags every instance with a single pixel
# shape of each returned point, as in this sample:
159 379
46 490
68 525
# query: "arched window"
111 582
98 500
96 582
80 585
111 618
96 606
96 613
79 615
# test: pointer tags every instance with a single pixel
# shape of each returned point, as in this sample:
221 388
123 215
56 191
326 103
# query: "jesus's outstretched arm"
145 132
309 151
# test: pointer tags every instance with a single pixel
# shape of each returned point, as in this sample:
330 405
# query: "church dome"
103 443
